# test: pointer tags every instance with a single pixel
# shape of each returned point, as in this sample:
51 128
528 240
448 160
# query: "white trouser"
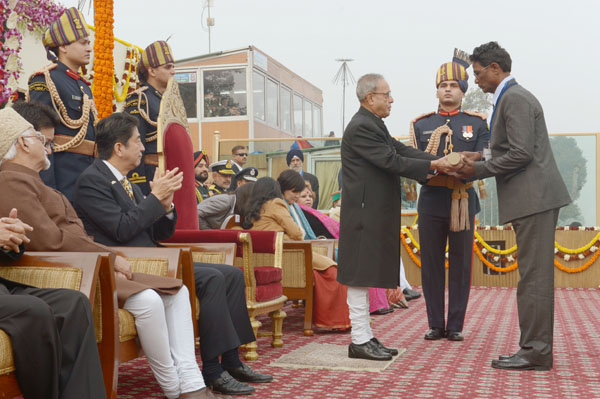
358 304
404 284
164 327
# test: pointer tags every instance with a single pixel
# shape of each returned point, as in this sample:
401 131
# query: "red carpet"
439 369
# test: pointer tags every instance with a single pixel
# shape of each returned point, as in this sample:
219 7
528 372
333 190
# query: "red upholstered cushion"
267 274
268 292
179 153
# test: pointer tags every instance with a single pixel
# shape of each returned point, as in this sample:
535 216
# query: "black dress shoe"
382 311
411 294
227 385
369 350
382 348
246 374
434 334
516 362
455 336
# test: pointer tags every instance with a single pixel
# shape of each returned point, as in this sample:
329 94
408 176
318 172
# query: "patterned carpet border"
432 369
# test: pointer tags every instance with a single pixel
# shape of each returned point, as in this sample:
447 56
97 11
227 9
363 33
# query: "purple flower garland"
36 15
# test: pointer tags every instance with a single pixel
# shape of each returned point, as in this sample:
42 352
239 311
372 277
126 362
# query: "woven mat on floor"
329 357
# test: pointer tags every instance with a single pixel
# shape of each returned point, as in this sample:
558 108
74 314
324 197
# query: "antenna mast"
345 77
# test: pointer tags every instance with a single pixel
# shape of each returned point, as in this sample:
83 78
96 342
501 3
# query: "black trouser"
224 323
535 290
434 232
54 343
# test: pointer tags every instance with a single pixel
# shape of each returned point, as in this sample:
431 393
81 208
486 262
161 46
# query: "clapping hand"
164 186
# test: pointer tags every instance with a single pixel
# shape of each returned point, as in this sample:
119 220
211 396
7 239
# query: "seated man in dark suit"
51 330
116 213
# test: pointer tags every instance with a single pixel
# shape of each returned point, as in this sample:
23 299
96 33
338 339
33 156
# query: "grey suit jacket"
527 177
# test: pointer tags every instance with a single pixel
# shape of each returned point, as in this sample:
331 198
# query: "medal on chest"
467 132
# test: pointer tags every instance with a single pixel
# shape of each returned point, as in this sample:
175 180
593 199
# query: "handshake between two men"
458 164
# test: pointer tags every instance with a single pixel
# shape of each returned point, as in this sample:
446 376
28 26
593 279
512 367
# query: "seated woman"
267 210
213 211
325 226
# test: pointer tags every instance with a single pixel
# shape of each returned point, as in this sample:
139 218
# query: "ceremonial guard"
154 70
201 172
222 172
60 86
447 205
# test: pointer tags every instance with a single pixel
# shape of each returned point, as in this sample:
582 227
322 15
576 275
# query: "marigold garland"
491 265
103 57
558 265
413 249
577 250
494 250
129 79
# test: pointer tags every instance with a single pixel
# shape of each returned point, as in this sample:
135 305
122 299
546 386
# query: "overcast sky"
553 45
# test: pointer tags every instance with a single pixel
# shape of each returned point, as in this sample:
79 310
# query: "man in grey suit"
530 194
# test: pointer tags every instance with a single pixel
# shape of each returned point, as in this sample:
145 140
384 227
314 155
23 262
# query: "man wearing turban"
154 70
60 86
447 205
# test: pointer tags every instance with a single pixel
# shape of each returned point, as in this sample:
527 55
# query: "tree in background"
573 169
478 101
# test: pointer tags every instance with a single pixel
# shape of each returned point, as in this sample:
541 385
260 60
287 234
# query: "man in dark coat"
117 213
369 246
530 194
434 133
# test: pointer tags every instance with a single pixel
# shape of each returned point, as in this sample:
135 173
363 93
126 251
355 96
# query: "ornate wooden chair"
263 283
90 273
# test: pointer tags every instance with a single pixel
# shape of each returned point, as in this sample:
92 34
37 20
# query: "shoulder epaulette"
478 114
134 95
48 67
418 118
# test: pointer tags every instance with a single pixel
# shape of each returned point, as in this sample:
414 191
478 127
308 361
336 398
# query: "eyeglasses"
242 154
476 73
45 142
386 95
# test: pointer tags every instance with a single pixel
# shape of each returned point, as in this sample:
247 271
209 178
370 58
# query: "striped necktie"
128 189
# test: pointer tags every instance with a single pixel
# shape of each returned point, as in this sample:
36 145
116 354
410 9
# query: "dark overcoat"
372 163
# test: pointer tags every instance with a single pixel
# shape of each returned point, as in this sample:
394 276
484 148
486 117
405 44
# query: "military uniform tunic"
213 189
470 133
202 192
147 99
66 165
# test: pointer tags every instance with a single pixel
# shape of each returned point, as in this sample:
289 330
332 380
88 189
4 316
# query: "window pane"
225 93
259 96
308 132
317 121
297 115
187 88
272 103
286 110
